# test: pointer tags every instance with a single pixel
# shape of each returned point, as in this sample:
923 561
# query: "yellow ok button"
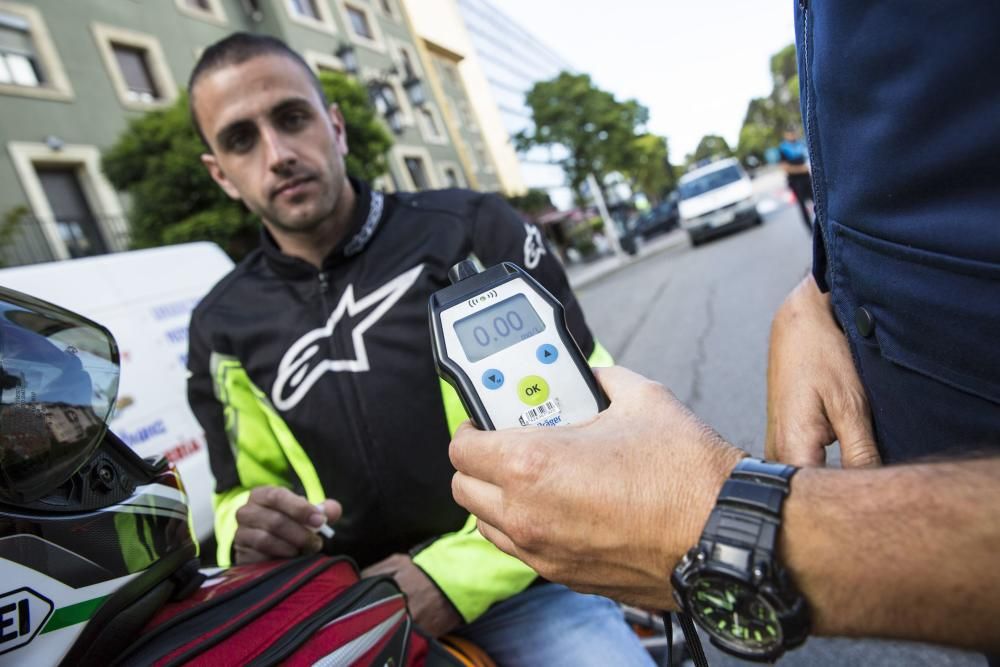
533 390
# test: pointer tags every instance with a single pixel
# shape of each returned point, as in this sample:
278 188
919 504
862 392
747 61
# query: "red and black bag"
293 612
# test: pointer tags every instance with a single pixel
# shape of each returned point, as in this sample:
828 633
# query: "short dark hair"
238 48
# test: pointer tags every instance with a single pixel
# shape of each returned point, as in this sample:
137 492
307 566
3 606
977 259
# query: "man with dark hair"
237 49
312 376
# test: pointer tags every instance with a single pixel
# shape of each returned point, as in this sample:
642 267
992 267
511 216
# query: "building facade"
72 75
469 106
513 60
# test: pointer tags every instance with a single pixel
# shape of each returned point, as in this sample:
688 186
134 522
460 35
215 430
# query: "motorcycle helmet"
93 538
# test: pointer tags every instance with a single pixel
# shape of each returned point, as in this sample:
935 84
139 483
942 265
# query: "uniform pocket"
936 314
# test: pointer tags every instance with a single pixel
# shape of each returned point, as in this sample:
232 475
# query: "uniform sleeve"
249 445
500 235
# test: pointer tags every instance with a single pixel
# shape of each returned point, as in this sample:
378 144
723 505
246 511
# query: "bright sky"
694 65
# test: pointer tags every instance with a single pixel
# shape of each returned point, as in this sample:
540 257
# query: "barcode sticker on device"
546 411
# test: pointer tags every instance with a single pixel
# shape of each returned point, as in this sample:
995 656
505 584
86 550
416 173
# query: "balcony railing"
26 240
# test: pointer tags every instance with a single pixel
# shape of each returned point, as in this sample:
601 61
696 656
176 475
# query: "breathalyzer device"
501 340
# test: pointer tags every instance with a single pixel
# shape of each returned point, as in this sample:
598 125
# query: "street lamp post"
380 88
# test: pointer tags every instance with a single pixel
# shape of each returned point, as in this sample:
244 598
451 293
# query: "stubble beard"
294 224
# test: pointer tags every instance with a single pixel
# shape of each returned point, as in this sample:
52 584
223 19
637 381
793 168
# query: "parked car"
660 219
716 199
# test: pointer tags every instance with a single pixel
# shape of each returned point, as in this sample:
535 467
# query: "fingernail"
316 520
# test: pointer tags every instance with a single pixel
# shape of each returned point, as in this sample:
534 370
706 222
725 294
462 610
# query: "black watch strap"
739 542
747 513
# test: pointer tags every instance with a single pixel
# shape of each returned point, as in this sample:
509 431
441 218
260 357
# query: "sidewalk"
581 275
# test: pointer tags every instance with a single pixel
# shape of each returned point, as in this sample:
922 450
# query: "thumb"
332 509
857 443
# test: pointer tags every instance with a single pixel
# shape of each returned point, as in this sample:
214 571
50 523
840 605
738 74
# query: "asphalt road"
697 320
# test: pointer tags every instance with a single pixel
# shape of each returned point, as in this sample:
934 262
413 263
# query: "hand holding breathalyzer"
607 506
501 340
277 523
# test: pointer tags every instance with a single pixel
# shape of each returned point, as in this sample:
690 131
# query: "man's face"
274 145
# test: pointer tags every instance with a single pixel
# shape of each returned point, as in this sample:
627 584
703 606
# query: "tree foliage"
711 146
9 223
368 139
173 198
595 129
532 203
767 118
649 166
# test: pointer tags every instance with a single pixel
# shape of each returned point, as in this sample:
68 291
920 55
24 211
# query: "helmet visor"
58 384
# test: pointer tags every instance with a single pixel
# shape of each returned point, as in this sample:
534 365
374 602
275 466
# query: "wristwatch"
731 582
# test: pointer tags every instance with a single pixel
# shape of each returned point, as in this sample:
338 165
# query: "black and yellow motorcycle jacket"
322 381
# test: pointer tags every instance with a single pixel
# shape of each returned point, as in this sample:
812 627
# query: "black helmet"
93 538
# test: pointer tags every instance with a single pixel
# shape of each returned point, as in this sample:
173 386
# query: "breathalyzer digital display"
501 340
498 327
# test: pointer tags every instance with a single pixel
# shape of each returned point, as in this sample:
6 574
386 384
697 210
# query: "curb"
610 265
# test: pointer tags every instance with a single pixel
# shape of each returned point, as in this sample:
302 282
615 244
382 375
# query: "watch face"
735 614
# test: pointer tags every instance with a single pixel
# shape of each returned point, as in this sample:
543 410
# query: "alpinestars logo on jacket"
300 369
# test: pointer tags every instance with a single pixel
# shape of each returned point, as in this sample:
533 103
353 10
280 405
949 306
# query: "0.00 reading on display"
498 327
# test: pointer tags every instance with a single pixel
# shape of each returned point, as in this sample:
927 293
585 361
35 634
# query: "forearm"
904 552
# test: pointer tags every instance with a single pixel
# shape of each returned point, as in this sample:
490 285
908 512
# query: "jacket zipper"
347 387
324 287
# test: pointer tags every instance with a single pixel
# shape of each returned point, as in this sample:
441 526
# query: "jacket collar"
369 212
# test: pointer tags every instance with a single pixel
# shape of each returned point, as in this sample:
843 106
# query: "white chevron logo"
299 369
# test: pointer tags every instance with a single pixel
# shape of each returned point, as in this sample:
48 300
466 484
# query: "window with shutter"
19 63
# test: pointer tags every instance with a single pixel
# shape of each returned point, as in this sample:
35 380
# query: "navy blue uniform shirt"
901 109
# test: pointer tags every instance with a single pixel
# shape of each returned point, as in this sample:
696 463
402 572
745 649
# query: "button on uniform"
864 321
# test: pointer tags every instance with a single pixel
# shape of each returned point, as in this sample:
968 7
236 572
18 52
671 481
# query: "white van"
715 199
145 298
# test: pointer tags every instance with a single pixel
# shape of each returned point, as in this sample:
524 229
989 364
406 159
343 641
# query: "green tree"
532 203
711 146
174 200
767 118
9 223
755 139
649 166
595 129
367 137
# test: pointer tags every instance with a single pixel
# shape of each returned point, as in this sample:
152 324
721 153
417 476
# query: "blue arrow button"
547 353
493 379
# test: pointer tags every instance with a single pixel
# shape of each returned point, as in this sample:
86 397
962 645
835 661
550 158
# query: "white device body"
562 398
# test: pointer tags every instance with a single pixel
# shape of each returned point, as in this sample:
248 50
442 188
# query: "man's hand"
608 506
430 609
814 395
276 523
